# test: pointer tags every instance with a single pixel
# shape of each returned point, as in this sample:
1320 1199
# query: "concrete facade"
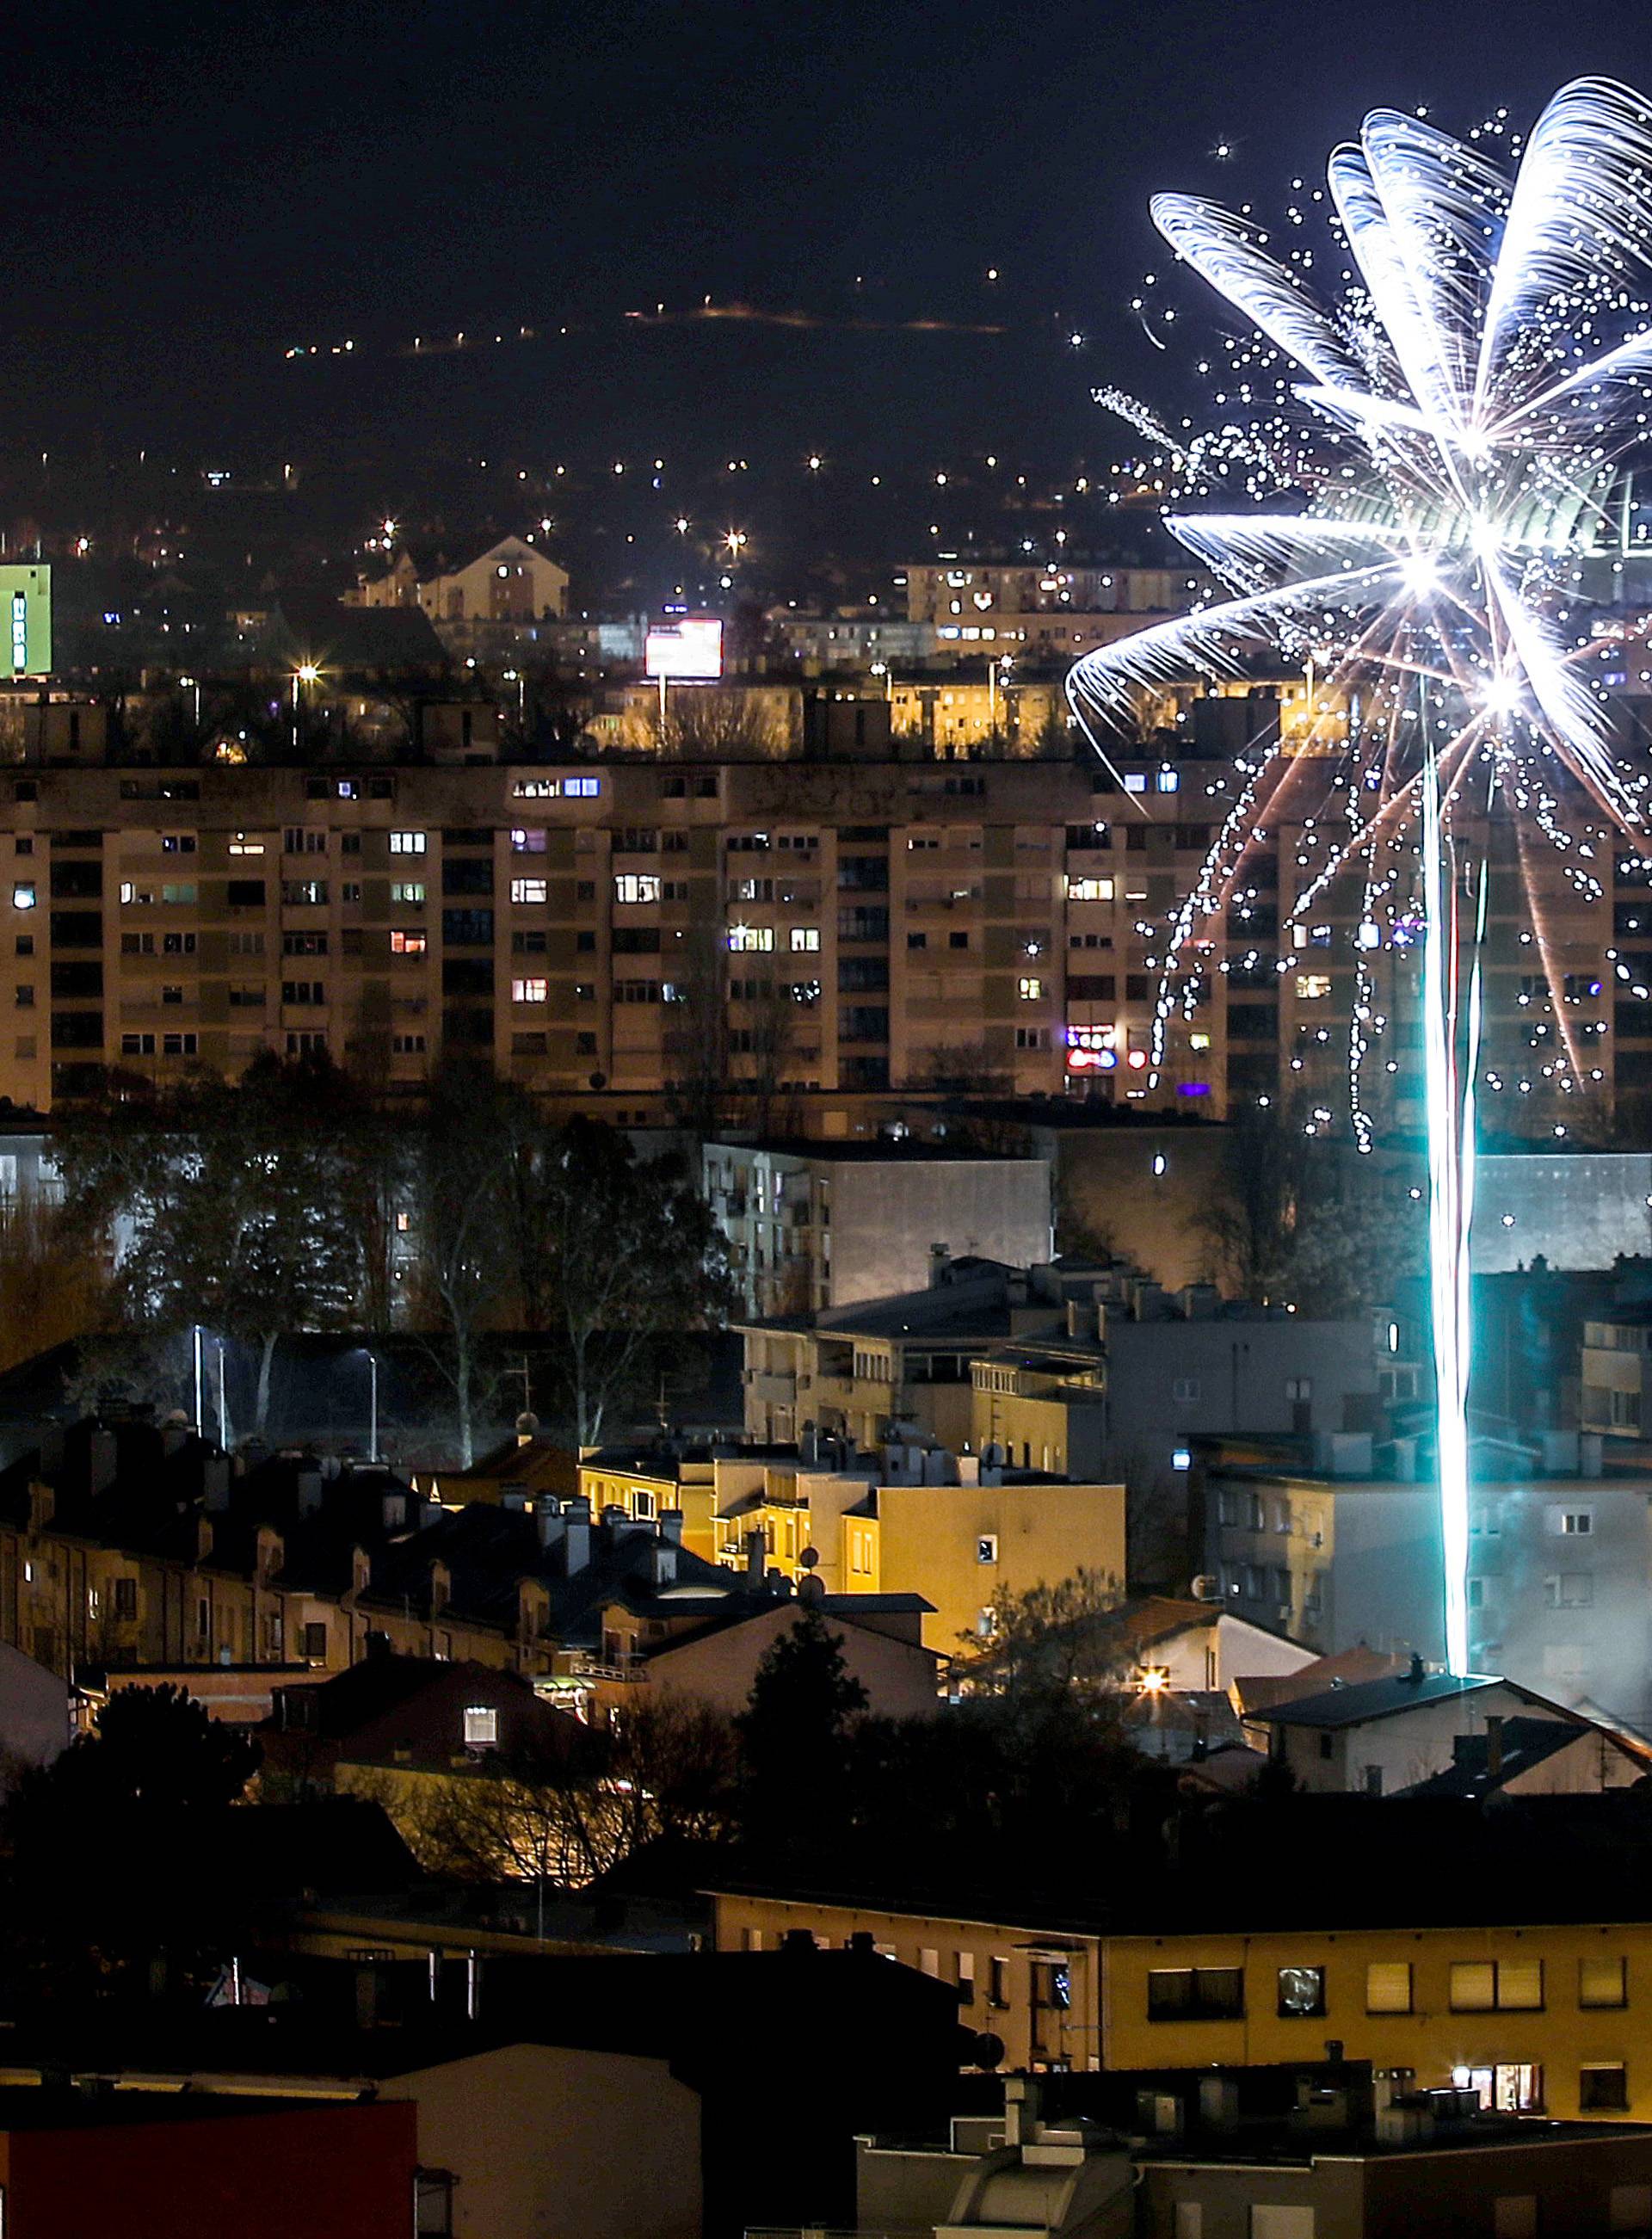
548 2142
1559 1573
809 1231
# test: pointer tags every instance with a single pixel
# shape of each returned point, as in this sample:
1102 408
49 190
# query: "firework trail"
1449 432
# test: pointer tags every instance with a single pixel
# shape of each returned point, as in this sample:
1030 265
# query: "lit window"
1167 781
1135 781
528 840
409 891
1030 990
581 788
528 890
750 939
805 939
1302 1992
407 843
23 897
636 887
1090 890
241 845
1387 1986
408 944
530 991
1602 1983
1312 987
986 1547
481 1729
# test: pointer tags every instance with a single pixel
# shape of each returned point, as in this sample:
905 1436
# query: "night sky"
190 190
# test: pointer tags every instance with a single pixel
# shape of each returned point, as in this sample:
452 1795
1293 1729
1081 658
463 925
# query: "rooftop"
1375 1698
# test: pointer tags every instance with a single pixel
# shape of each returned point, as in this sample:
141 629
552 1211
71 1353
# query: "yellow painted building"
702 1486
1539 2017
963 1548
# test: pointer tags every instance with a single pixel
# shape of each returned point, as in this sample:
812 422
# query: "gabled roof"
1525 1744
1349 1667
343 638
1377 1698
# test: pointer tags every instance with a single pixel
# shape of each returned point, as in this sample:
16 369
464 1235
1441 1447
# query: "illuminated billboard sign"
673 651
25 610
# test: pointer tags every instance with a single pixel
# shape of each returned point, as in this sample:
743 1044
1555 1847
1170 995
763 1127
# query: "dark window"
1195 1994
467 929
863 975
636 940
467 835
468 874
467 975
245 894
1097 987
77 1030
77 882
1603 2091
71 980
316 1642
863 1023
126 1597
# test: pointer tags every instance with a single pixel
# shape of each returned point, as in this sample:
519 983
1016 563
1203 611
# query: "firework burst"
1420 489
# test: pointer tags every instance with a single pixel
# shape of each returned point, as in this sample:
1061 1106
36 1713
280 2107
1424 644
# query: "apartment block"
812 945
1558 1562
1534 2011
812 1227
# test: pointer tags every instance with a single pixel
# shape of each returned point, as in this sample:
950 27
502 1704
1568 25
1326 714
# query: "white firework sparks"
1456 447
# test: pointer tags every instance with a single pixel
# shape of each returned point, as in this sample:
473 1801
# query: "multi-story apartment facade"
827 941
1534 2010
1558 1562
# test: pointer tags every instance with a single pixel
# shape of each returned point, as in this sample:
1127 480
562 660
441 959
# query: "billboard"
685 649
25 606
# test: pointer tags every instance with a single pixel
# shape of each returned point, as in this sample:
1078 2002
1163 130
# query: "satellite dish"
809 1559
526 1425
988 2048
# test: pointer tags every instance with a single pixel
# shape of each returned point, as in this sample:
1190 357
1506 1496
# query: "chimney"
309 1492
101 1461
939 1260
969 1469
576 1535
1415 1675
215 1481
671 1525
548 1514
1494 1749
396 1512
1021 2102
755 1564
663 1563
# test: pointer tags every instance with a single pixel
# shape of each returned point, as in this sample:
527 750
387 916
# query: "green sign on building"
25 621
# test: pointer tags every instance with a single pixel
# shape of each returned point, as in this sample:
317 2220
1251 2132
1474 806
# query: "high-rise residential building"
802 946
